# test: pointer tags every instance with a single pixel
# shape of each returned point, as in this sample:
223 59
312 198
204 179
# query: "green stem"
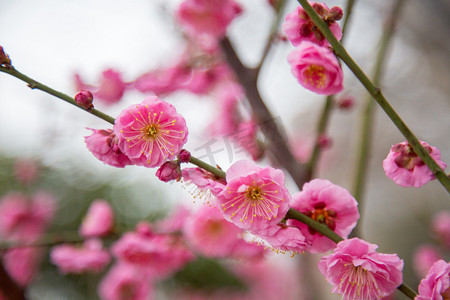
347 13
321 128
319 227
407 291
368 115
376 93
33 84
45 241
199 163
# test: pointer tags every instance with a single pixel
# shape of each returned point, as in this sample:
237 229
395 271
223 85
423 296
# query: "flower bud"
335 13
4 58
184 156
346 102
84 99
170 170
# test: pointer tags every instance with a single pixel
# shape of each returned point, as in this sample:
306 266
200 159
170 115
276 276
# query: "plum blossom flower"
103 144
110 89
210 17
436 286
210 234
316 69
357 271
406 168
206 185
299 27
125 281
151 132
424 257
90 257
287 239
162 253
23 218
23 263
255 198
441 227
98 221
326 203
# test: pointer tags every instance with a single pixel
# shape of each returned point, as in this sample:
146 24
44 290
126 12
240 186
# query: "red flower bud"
184 156
4 58
84 99
169 171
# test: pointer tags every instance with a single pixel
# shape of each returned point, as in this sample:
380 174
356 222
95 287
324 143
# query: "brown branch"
277 142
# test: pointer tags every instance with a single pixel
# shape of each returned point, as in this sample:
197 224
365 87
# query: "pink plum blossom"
316 69
206 185
98 221
210 234
103 144
151 132
406 168
162 81
424 257
210 17
90 257
24 218
110 89
436 285
287 239
357 271
23 263
26 170
441 227
329 204
125 281
163 253
299 27
255 198
174 221
170 170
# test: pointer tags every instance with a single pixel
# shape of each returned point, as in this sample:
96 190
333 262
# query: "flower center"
150 131
254 193
358 283
315 76
322 215
407 158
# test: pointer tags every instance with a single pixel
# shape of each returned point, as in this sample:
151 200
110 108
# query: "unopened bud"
346 102
324 141
184 156
4 58
335 13
169 171
320 9
84 99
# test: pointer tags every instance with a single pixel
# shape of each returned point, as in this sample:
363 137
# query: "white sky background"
49 40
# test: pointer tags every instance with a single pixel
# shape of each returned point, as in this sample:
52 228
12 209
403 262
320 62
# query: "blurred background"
51 40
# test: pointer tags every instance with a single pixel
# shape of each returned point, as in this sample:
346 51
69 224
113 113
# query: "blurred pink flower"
210 234
26 170
440 226
161 254
436 285
24 218
103 144
329 204
99 220
287 239
254 197
206 185
299 27
316 69
174 221
23 263
424 257
125 281
210 17
356 271
90 257
151 132
406 169
110 89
